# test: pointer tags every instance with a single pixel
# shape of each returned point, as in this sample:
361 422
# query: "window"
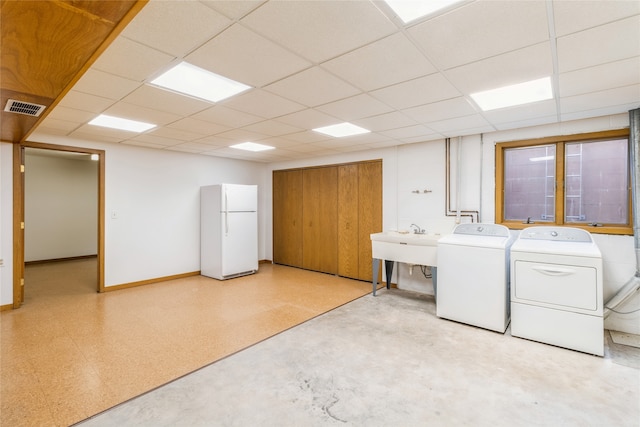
578 180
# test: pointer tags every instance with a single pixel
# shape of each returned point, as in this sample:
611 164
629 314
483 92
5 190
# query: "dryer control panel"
557 234
478 229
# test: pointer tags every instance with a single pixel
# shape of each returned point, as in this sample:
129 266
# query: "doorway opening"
60 220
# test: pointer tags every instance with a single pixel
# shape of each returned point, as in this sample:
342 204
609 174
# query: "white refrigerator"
229 230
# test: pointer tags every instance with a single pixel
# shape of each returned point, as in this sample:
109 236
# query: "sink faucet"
417 230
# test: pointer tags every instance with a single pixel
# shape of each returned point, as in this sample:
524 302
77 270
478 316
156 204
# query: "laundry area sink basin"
409 248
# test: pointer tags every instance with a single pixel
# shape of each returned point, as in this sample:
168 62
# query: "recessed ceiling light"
194 81
120 123
409 10
342 129
252 146
518 94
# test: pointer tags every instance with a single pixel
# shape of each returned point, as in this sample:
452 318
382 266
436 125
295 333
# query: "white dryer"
556 288
473 276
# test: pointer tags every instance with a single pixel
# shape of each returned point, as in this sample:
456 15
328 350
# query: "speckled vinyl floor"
69 352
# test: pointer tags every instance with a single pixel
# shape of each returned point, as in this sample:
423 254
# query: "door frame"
18 212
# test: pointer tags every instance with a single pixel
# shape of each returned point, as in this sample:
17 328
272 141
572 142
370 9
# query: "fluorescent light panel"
341 130
410 10
194 81
252 146
518 94
121 124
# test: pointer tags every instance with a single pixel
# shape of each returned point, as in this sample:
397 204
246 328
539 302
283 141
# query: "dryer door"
562 286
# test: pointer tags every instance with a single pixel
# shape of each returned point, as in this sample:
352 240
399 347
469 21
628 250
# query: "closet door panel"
348 237
320 219
287 217
369 214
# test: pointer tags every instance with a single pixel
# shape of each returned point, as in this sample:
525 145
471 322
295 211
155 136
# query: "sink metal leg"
376 267
388 265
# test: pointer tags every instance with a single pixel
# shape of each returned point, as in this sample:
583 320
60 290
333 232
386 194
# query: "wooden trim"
128 17
265 261
18 232
566 138
6 307
559 142
47 261
101 201
150 281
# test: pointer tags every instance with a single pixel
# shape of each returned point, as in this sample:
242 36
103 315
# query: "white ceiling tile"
308 119
149 138
355 107
86 102
383 63
386 121
198 126
142 144
131 60
191 147
601 77
136 112
519 66
621 96
408 132
264 104
101 133
527 122
244 56
450 108
312 87
215 141
279 142
234 9
320 30
462 126
600 112
175 27
165 100
242 135
522 112
181 135
226 116
272 128
574 16
71 115
99 83
59 125
423 90
606 43
480 30
305 137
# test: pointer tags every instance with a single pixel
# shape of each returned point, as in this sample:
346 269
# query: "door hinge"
22 168
22 225
21 282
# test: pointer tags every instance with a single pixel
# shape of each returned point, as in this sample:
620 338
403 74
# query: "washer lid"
494 230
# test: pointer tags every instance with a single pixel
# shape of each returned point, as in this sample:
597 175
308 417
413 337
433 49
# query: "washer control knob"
480 229
554 234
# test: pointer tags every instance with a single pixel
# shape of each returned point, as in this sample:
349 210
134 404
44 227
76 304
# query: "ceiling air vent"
21 107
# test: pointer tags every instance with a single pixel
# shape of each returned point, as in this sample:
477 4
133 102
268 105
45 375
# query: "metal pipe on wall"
633 284
448 212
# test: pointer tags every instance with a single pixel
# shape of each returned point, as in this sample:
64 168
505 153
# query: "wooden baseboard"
150 281
6 307
46 261
265 261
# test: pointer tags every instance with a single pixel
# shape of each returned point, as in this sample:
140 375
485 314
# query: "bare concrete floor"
389 361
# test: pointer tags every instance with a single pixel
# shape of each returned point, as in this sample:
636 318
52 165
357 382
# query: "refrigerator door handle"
226 213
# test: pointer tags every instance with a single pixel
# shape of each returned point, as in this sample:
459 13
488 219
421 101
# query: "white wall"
61 207
155 196
6 218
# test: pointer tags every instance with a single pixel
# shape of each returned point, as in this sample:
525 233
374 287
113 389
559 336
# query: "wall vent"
21 107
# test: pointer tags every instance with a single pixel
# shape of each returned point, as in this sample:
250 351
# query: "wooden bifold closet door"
323 216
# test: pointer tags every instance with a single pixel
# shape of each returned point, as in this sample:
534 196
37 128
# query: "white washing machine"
556 288
473 276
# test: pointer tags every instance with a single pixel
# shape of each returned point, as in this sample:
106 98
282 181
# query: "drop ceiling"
317 63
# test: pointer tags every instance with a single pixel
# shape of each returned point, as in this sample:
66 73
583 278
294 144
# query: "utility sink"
410 248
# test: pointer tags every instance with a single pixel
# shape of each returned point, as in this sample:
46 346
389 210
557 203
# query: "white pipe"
458 178
633 284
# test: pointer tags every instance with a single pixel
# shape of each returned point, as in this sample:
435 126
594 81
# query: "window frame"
559 142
